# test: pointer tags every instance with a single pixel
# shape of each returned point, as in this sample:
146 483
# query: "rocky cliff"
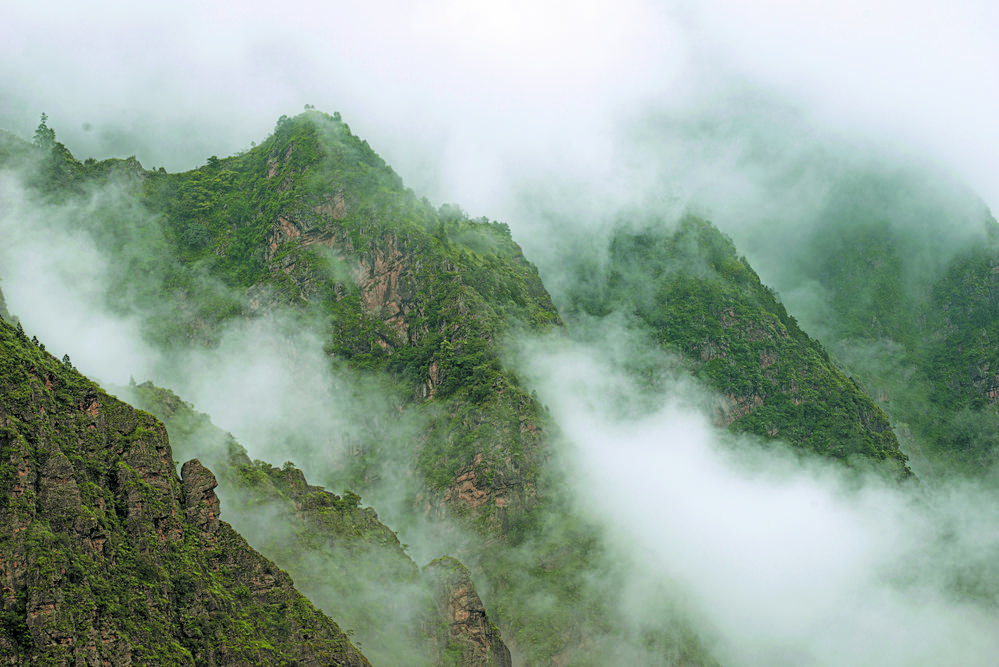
313 219
468 638
108 557
346 560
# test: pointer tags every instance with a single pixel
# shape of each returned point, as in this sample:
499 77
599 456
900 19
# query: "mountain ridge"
313 225
341 555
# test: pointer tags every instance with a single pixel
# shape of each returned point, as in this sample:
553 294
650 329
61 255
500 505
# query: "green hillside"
422 304
695 296
341 556
108 557
896 274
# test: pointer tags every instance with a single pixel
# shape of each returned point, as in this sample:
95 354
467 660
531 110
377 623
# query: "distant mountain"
897 274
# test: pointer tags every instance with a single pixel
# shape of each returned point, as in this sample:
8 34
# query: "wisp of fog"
782 562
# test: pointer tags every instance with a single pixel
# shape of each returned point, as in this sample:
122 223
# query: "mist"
559 118
267 380
464 98
782 562
56 282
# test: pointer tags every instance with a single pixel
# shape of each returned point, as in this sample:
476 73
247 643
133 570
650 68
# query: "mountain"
312 226
107 556
340 555
692 293
418 310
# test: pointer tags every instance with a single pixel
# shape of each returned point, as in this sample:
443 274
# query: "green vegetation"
339 553
951 399
100 548
420 300
903 267
695 296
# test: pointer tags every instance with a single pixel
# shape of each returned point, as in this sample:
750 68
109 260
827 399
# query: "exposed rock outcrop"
339 552
200 502
465 637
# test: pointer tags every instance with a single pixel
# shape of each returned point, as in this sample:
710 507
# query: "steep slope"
467 637
312 225
951 400
394 284
107 557
426 296
340 554
690 290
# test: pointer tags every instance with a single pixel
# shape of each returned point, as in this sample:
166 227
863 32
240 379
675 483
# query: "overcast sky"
461 96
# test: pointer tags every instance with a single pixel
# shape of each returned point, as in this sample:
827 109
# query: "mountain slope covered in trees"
340 555
108 557
698 298
420 307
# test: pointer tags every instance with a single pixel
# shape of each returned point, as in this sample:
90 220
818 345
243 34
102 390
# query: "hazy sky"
460 96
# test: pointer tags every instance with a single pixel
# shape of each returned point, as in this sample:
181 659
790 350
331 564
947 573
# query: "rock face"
466 637
201 505
108 558
347 561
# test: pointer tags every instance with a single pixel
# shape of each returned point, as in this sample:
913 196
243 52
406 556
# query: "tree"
44 135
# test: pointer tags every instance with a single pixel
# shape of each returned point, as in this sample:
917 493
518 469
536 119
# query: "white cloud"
913 74
464 97
55 281
782 564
